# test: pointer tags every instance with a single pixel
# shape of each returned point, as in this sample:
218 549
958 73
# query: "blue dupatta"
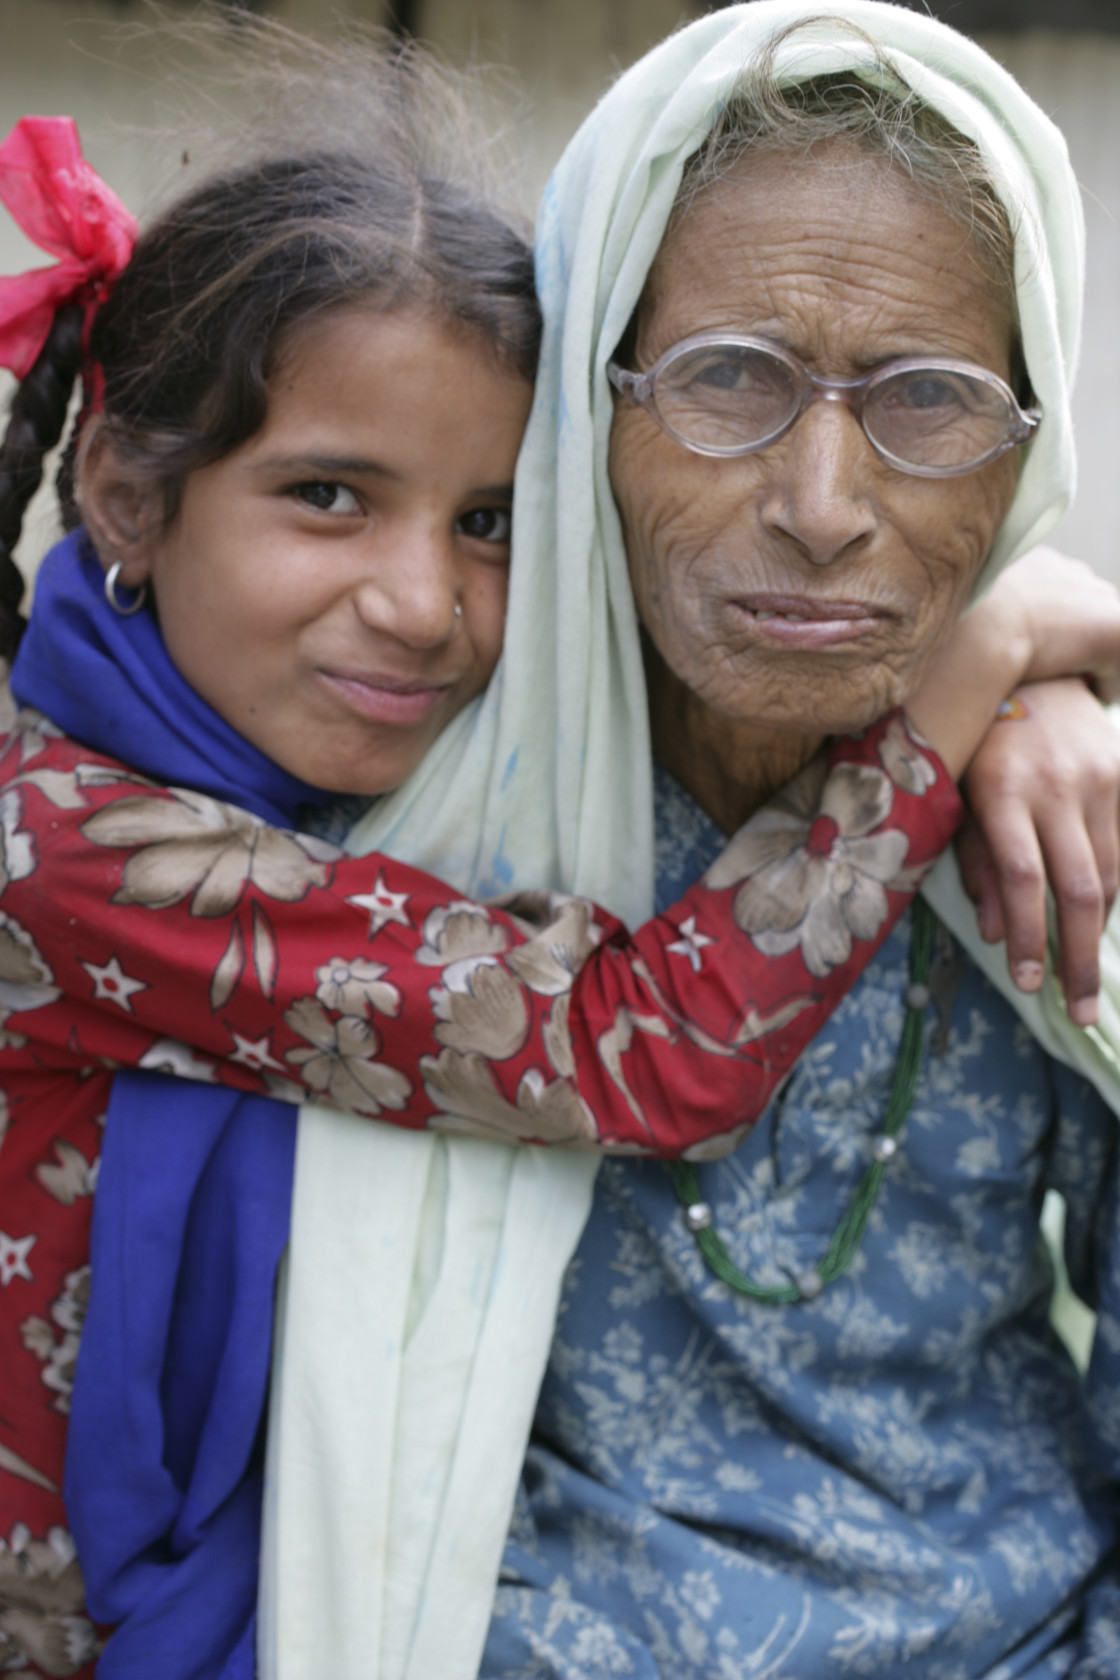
164 1465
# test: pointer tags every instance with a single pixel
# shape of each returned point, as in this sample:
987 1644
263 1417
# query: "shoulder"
38 762
50 787
30 743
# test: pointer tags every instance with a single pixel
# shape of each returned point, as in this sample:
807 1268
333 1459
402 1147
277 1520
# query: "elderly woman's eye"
742 372
726 395
928 391
725 373
489 525
326 497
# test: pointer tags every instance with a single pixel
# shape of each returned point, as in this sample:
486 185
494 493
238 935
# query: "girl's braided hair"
37 418
219 283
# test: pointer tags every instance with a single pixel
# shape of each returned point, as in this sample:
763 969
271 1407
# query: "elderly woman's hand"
1044 795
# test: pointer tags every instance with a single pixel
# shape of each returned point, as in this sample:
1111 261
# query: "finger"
979 878
1016 859
1079 900
1102 822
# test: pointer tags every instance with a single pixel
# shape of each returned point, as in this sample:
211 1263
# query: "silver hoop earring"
126 611
458 609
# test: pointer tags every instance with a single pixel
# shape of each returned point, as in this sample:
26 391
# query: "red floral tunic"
149 927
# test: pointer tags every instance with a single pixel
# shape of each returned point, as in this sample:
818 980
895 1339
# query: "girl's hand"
1062 618
1044 792
1044 617
1044 789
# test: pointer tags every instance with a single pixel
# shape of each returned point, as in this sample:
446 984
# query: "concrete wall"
77 56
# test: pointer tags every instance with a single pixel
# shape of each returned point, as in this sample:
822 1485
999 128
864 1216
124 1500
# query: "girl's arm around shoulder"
159 928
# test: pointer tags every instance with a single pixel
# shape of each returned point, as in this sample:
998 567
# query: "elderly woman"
811 301
803 1418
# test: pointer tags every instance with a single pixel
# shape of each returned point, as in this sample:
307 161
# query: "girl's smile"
384 700
335 588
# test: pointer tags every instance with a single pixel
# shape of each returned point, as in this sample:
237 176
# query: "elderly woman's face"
805 587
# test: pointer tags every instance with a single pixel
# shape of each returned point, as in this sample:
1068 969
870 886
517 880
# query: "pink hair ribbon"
67 210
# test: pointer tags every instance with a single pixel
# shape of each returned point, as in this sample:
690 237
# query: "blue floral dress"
903 1474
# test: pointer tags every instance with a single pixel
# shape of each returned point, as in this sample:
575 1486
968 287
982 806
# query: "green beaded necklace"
848 1235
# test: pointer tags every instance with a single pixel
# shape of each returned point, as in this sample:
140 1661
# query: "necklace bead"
848 1236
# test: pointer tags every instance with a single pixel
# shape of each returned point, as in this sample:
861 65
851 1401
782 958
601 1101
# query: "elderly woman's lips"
793 621
385 699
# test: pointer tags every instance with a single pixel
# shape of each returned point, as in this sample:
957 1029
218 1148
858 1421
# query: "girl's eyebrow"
345 466
324 465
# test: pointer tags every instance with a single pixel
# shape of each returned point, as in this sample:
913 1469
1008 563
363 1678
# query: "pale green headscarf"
425 1273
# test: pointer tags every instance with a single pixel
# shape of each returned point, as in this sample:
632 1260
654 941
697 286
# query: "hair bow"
62 205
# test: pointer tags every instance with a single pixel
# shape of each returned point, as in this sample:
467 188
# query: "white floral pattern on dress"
41 1599
356 986
903 1476
193 846
813 874
340 1060
903 759
59 1352
26 981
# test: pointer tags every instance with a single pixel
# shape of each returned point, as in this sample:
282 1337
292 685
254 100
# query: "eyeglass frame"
640 388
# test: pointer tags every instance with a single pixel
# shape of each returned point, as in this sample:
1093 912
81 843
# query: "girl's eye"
326 497
492 525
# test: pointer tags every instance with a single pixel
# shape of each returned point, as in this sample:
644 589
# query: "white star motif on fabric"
13 1258
690 943
383 906
255 1053
112 983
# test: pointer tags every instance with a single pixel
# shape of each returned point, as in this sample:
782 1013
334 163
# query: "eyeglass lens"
728 396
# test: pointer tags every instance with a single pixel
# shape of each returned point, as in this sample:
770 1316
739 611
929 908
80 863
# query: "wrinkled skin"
842 261
845 262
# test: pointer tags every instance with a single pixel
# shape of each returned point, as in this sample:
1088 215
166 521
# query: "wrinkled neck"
729 767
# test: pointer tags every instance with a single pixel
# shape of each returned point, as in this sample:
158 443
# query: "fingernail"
1027 976
1084 1012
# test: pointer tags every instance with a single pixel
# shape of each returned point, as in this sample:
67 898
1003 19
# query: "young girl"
308 388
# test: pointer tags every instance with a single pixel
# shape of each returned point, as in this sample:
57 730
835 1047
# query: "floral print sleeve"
151 927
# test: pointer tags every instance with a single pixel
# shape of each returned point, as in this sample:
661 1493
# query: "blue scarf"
164 1460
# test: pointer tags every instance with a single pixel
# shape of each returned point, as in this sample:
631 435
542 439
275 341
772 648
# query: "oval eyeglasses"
721 393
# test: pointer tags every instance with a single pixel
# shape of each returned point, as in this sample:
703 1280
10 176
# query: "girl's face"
336 587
